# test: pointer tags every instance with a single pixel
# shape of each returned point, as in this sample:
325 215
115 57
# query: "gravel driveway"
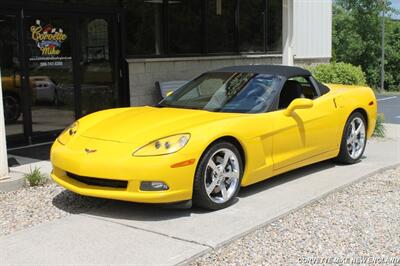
31 206
361 221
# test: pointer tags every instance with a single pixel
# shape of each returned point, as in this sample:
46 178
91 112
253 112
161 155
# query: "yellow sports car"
225 129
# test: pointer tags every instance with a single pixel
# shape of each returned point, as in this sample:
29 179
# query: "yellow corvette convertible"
225 129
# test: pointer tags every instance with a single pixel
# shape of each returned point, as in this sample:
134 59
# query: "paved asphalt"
389 105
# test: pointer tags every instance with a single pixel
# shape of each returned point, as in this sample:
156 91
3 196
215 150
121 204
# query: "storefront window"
144 27
180 27
86 2
184 23
274 25
221 26
251 26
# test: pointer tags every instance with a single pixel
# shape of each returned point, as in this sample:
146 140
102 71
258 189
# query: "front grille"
94 181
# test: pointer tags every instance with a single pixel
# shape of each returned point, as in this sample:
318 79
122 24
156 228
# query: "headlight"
69 132
163 146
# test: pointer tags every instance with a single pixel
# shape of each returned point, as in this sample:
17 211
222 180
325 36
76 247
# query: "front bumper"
115 161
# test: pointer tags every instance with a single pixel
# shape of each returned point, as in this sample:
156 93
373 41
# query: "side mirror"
299 103
169 93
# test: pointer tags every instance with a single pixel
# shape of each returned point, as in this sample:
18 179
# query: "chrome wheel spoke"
231 175
224 192
212 165
353 148
353 127
210 188
227 156
358 130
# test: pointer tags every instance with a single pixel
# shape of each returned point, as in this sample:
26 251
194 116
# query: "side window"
308 89
296 87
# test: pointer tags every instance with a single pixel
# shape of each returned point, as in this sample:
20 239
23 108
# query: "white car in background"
45 89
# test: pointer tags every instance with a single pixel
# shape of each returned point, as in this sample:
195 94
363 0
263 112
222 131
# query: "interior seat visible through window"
290 91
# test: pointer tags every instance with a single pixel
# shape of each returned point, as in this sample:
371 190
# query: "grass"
380 127
35 177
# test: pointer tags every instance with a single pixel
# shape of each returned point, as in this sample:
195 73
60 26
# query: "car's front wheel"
218 176
354 139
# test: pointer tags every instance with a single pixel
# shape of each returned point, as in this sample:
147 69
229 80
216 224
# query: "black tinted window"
221 26
184 25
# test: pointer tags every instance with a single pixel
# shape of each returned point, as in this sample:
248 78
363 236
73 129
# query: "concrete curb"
13 182
383 169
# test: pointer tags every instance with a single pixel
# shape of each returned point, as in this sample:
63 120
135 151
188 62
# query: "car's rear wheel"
218 176
354 139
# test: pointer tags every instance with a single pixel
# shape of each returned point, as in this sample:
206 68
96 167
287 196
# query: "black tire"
12 108
344 154
200 196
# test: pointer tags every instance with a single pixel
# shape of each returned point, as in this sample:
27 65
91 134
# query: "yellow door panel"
305 133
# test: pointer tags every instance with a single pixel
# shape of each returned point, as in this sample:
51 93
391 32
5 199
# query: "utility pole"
383 47
3 147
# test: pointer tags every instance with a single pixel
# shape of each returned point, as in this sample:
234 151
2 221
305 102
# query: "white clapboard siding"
312 29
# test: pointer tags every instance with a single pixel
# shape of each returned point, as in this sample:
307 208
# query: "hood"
138 125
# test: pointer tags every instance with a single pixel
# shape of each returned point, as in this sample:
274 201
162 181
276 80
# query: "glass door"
11 76
49 52
98 75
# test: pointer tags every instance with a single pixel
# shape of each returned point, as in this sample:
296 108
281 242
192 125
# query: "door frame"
72 12
24 97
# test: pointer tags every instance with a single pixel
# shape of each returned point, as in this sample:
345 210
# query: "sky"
396 4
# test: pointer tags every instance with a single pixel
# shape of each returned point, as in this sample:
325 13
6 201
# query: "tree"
357 35
392 47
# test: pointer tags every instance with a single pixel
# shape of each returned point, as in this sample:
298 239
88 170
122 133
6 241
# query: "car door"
305 132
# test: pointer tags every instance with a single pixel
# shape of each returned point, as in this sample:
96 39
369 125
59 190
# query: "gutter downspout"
287 32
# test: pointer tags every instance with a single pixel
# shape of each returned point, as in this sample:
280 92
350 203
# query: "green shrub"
380 127
340 73
35 177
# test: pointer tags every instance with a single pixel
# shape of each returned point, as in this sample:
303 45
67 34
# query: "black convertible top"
279 70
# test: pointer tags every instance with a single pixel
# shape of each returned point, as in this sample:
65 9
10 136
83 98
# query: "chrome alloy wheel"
356 137
222 176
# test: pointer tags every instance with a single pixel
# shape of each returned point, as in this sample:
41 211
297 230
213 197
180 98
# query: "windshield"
226 92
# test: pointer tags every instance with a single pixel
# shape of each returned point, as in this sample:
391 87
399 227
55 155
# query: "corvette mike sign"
49 40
